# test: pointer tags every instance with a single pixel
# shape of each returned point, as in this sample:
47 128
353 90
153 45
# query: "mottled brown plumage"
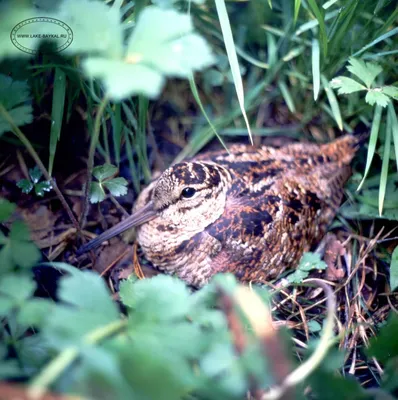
252 212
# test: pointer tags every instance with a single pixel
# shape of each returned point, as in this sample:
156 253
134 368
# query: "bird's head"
188 196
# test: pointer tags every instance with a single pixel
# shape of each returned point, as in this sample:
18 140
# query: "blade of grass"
316 76
195 93
116 118
287 96
334 105
379 39
322 27
329 4
232 58
384 165
57 114
297 5
133 169
394 128
374 133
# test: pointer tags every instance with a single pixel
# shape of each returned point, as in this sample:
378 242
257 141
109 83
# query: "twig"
18 133
90 161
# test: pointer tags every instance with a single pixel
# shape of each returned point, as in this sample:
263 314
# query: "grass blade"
334 105
297 5
329 4
232 58
374 133
394 128
377 40
384 165
116 118
316 77
287 96
322 27
57 114
195 93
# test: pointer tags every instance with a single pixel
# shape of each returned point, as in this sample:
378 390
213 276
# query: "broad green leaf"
169 297
42 187
165 41
374 133
315 60
394 270
17 287
102 172
25 185
73 291
334 105
97 193
232 58
365 71
346 85
391 91
122 80
385 346
35 174
25 254
117 186
19 231
57 113
6 209
34 312
96 27
13 96
375 96
10 17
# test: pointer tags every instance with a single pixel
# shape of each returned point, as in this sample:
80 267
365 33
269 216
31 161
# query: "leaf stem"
54 369
90 161
25 141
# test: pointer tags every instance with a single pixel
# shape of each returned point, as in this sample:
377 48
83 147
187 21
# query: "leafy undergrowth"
166 342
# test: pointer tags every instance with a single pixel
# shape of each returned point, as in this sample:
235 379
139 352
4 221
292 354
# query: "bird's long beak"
143 215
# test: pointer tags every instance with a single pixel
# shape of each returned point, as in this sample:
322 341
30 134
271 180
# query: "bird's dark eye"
188 192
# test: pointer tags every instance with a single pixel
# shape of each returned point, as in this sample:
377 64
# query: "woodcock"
252 212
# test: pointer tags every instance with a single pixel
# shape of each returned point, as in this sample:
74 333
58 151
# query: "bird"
250 211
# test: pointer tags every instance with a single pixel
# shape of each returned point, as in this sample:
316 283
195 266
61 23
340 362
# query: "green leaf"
385 165
43 187
170 49
122 80
19 231
35 174
6 209
391 91
25 185
57 113
297 4
309 262
13 96
319 15
232 58
169 297
24 253
374 133
385 346
382 37
34 312
376 96
101 33
315 61
346 85
117 186
102 172
394 270
17 287
334 105
97 193
365 71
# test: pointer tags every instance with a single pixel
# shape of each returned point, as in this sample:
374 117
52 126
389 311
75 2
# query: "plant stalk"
25 141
